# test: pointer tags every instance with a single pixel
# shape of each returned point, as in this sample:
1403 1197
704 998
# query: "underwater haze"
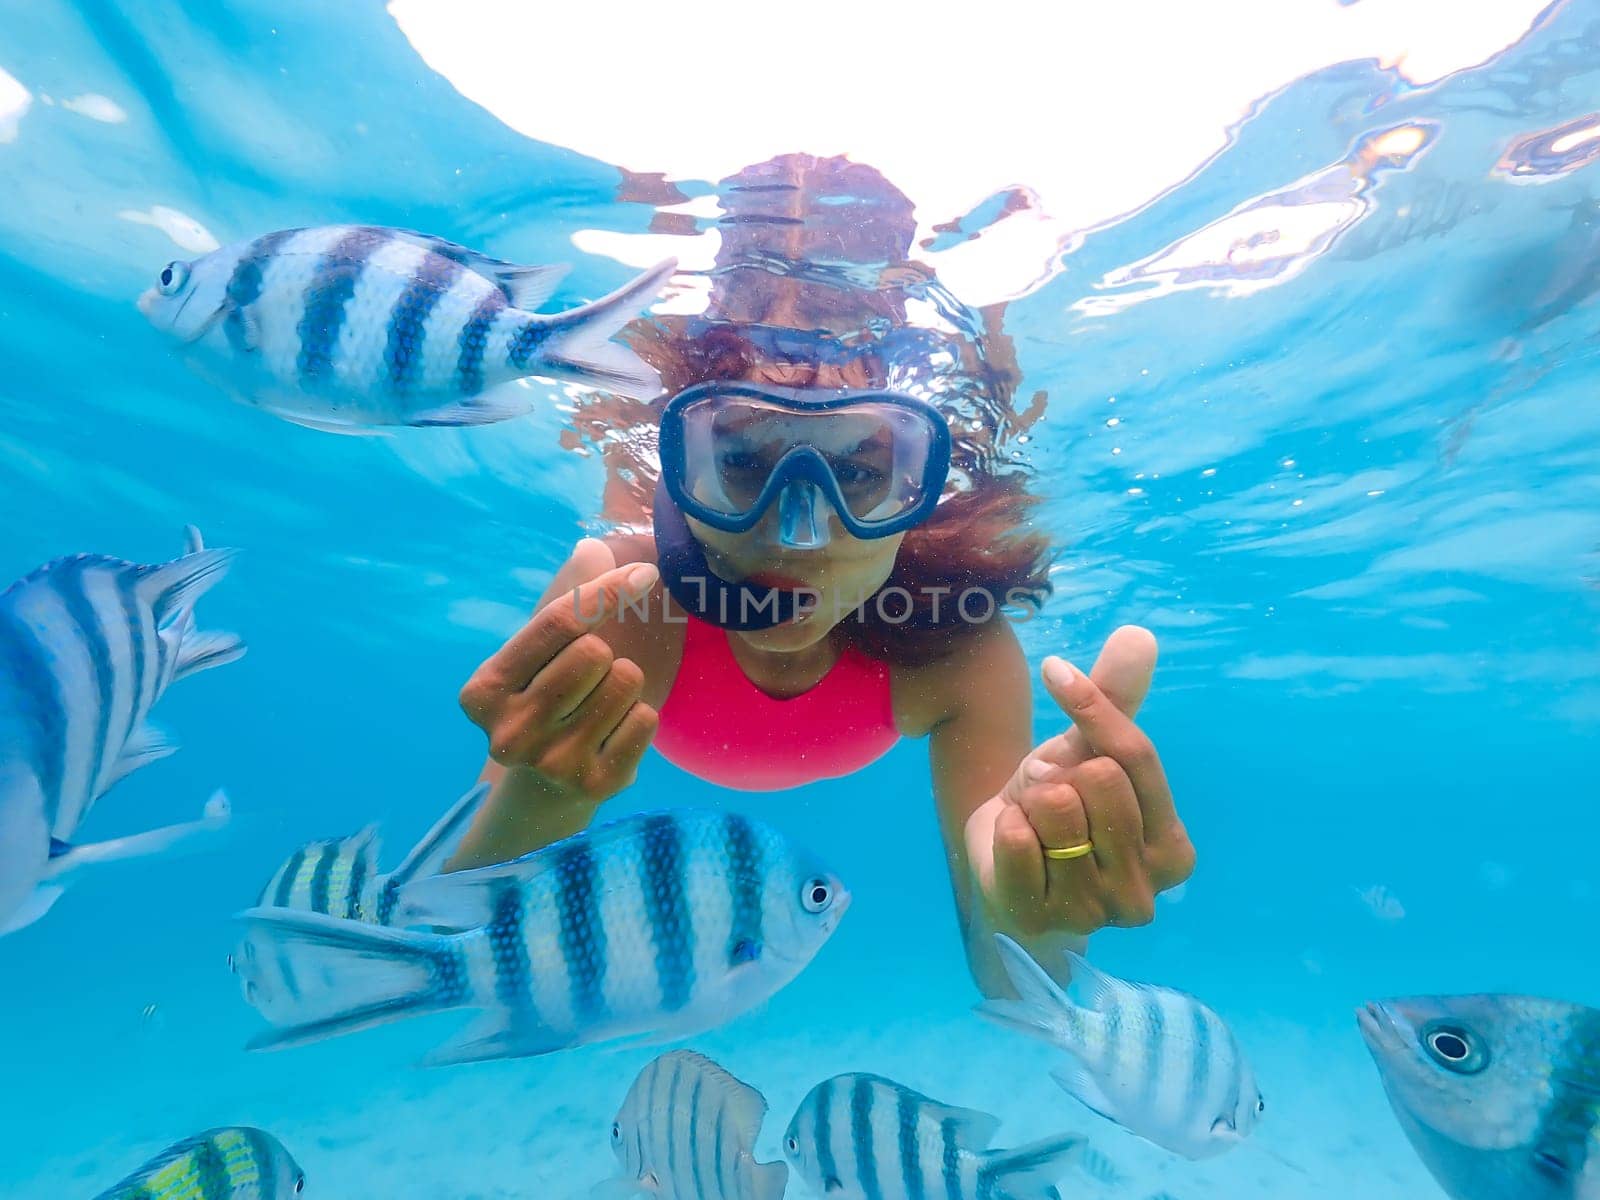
1319 410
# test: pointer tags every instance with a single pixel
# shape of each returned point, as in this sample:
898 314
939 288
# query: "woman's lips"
772 579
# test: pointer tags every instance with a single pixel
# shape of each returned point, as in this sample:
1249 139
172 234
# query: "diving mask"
877 459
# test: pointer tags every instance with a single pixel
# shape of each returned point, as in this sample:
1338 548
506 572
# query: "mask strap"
701 592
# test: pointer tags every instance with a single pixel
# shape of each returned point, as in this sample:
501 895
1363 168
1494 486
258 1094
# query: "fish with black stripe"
88 645
864 1137
1156 1061
687 1130
657 925
340 877
1499 1095
232 1163
345 327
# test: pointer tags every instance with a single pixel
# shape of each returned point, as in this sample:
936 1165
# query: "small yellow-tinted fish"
232 1163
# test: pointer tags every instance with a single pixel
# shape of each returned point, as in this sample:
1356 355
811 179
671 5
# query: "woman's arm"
1099 782
566 705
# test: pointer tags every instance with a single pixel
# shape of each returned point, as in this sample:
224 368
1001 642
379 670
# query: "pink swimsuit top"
718 725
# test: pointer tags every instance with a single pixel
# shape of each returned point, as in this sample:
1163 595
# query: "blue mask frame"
803 462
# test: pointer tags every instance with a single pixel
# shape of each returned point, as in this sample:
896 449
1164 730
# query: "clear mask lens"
876 452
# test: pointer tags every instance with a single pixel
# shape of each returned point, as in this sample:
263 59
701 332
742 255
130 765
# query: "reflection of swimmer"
819 583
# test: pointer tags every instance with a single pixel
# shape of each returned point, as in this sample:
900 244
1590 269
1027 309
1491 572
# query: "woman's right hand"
555 700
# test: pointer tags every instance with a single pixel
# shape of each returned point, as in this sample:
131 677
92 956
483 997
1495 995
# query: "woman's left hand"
1099 783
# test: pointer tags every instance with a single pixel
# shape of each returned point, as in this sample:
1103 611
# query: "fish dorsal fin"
525 287
745 1106
428 856
1092 987
171 589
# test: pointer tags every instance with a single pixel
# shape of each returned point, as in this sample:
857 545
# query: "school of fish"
655 927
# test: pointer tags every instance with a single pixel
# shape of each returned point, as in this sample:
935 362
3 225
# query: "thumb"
1126 665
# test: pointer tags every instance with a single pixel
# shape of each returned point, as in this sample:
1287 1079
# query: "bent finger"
565 619
602 710
620 754
1018 865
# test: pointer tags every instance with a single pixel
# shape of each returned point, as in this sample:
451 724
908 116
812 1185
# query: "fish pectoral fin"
1075 1079
497 404
244 326
329 424
499 1035
66 859
617 1189
145 745
36 905
974 1130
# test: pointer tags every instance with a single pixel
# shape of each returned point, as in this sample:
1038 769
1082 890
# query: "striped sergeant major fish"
1499 1095
687 1131
863 1137
1157 1062
344 327
88 645
340 877
658 925
233 1163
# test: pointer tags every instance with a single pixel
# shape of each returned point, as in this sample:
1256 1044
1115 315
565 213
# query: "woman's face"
842 573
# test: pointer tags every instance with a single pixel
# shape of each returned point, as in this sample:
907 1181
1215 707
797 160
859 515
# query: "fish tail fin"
340 976
428 856
1031 1172
1042 1009
580 348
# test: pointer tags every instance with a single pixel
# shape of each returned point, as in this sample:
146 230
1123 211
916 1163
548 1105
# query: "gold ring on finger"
1068 853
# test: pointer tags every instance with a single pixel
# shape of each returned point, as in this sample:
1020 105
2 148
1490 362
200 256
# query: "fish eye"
299 1183
816 895
616 1131
1455 1049
1261 1105
173 276
792 1144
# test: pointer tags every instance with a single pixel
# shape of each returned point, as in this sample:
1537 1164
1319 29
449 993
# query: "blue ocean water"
1346 468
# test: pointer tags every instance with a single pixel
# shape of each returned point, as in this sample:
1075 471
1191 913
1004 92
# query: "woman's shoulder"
983 663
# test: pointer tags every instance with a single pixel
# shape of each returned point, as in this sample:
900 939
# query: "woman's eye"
854 475
739 460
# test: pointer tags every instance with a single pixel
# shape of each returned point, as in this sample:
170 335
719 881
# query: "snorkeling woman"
814 587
